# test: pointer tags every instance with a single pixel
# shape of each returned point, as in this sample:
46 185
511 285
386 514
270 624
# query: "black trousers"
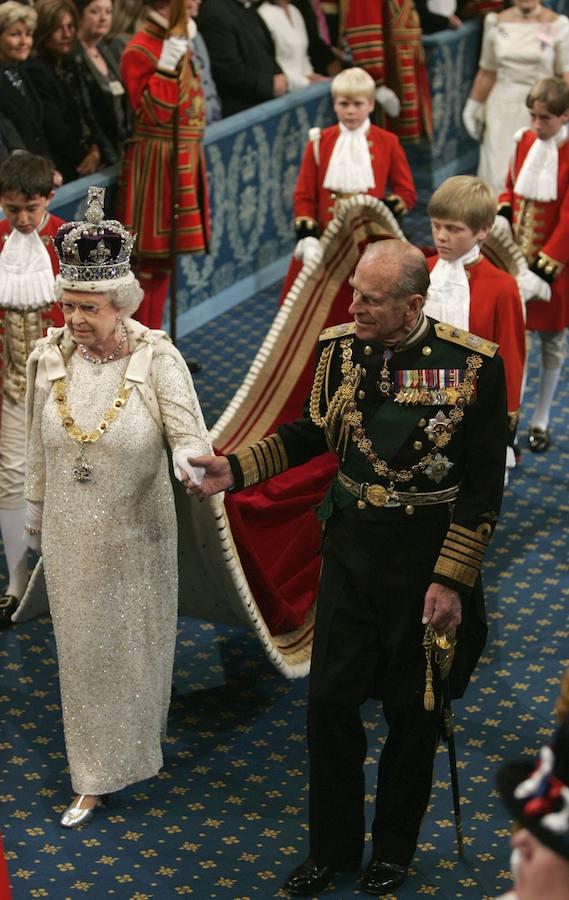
368 643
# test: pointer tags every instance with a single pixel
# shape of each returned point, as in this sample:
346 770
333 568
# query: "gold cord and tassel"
443 645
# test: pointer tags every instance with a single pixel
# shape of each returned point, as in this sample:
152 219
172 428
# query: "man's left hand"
443 608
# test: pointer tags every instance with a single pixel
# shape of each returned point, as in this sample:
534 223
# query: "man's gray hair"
407 261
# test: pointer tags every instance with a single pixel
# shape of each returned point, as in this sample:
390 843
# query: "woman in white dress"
290 38
106 397
520 46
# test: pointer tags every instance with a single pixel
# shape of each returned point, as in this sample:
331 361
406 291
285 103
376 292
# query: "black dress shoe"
8 605
382 877
310 878
193 365
539 439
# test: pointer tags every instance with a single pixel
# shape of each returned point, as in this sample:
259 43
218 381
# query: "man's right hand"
218 476
280 85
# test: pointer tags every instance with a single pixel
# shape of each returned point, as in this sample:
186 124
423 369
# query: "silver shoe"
75 815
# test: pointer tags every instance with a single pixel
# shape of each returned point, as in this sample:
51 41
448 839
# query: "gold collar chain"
343 403
82 470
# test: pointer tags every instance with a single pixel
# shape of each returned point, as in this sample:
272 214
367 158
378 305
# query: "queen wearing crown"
106 398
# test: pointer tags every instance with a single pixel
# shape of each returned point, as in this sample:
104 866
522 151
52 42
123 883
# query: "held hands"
389 100
217 476
308 249
32 524
443 608
532 287
173 49
471 119
280 85
91 162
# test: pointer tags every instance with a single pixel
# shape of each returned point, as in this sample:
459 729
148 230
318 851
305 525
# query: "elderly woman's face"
96 19
62 39
16 43
91 318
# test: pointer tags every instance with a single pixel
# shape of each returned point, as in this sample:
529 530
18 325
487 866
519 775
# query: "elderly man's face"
539 872
377 315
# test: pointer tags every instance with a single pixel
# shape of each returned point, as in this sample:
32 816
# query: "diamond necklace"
98 361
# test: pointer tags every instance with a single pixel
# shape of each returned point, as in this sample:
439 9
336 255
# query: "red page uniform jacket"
314 205
541 229
496 313
145 202
20 329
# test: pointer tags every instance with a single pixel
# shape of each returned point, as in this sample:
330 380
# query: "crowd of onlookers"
61 93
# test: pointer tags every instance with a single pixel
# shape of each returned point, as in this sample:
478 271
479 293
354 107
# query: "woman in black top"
77 146
99 64
19 103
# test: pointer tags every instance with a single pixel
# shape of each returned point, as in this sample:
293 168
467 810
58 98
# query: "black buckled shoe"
383 877
309 878
539 439
8 605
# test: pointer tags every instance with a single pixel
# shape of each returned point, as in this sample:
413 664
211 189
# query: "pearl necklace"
99 361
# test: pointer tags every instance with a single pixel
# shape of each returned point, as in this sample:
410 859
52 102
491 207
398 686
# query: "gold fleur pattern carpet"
227 816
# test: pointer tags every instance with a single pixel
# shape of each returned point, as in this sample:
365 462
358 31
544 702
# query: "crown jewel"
94 254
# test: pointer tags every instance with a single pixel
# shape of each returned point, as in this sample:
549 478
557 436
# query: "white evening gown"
520 53
291 42
110 556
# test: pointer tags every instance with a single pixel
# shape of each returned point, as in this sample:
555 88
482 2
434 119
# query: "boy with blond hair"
352 157
536 203
466 289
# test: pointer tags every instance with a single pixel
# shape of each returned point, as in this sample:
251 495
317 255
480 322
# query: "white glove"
502 227
532 287
471 119
308 249
32 526
173 48
510 458
389 100
183 467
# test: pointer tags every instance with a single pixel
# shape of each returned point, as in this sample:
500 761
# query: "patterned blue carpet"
227 816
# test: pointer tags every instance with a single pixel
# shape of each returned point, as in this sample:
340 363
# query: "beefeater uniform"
314 204
541 229
420 435
145 198
385 39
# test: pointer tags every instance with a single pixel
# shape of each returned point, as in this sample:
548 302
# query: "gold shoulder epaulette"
465 339
336 331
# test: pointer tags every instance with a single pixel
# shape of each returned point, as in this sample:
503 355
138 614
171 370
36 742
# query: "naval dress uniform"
420 433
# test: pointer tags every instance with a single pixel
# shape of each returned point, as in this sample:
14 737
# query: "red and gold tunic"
496 313
385 39
145 195
20 329
313 203
541 229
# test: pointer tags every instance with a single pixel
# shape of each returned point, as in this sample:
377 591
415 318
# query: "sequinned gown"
109 548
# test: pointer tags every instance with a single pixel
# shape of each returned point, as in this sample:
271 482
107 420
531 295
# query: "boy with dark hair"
466 289
27 269
536 203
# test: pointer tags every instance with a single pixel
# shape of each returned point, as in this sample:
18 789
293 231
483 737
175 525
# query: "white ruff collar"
448 298
537 178
26 275
349 170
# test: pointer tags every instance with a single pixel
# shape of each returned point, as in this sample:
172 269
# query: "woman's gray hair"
12 12
125 297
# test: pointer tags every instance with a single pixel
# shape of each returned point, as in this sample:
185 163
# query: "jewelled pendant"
384 383
82 470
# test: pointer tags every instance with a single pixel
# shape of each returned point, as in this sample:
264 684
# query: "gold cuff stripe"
471 561
463 542
467 532
460 552
262 460
461 573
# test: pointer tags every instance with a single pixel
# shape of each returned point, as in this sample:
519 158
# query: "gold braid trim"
462 553
262 460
